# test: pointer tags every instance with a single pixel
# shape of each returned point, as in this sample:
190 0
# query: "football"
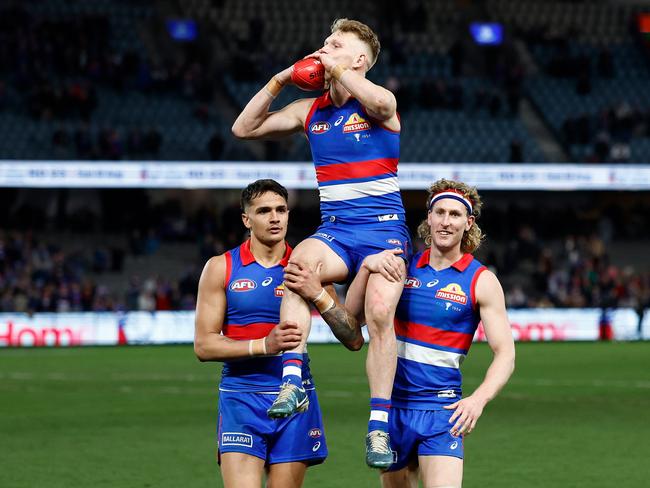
308 74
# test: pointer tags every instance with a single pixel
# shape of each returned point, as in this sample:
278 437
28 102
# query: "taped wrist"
324 302
273 87
337 72
257 347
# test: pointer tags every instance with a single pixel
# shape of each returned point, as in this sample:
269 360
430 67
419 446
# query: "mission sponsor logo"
453 293
279 291
355 123
412 282
319 127
236 439
243 284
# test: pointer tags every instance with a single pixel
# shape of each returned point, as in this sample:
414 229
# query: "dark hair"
259 187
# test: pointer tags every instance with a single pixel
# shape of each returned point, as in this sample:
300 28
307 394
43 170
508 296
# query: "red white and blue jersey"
356 163
253 297
435 322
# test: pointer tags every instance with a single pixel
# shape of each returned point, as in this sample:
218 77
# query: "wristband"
273 87
337 72
324 302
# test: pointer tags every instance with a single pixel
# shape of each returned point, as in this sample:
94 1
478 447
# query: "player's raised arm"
380 102
209 343
256 122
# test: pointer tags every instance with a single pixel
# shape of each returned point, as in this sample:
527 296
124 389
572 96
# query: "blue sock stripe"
291 356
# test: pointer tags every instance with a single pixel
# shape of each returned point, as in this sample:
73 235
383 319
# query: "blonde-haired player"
353 130
447 293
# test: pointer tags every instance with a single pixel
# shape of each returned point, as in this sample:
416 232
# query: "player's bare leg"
315 255
381 301
240 470
286 475
441 471
404 478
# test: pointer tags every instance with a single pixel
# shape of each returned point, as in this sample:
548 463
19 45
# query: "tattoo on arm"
344 326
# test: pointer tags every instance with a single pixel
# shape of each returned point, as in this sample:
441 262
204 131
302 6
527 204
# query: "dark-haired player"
237 315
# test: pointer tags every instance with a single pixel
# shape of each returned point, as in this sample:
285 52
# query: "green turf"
573 415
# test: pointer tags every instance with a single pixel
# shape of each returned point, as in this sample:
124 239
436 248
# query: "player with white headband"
446 294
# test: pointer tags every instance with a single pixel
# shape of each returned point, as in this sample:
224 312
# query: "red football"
308 74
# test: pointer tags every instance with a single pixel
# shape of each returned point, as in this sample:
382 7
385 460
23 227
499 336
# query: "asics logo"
338 121
316 447
432 283
453 445
267 281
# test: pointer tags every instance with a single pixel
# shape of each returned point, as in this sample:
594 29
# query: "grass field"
573 415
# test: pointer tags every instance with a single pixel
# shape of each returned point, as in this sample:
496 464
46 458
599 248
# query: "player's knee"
378 312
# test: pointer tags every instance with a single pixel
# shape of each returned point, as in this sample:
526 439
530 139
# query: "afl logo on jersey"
411 282
319 127
243 284
315 433
394 242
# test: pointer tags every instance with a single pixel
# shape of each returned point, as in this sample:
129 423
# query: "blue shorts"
244 427
416 433
353 243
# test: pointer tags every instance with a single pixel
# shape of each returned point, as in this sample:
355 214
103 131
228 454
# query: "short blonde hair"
363 32
474 236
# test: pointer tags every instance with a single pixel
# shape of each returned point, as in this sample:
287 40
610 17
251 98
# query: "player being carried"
353 130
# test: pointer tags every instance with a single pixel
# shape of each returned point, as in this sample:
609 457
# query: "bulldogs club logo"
319 127
411 282
279 291
453 293
355 123
243 284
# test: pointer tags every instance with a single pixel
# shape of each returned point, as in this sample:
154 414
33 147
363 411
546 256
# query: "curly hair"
473 237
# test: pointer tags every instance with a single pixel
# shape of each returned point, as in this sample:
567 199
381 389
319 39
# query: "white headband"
453 195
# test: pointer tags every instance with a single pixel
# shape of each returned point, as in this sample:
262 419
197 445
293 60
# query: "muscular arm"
345 327
490 299
345 320
380 103
256 122
306 283
209 343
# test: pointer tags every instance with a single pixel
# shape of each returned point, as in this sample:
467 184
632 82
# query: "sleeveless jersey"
356 163
253 296
435 322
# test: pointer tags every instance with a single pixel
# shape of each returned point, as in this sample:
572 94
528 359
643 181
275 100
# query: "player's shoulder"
215 270
487 284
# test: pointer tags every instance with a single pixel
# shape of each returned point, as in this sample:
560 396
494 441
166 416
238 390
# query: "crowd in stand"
52 70
609 131
37 275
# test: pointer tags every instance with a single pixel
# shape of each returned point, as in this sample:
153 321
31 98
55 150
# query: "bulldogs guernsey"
356 163
435 322
253 296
